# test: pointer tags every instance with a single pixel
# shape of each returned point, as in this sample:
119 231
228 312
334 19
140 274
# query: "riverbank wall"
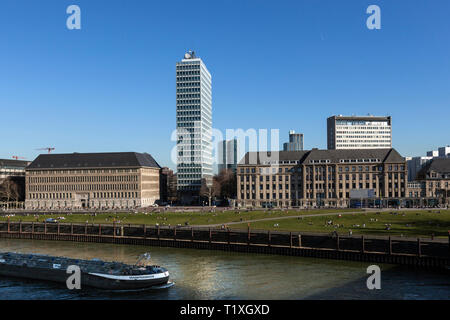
422 253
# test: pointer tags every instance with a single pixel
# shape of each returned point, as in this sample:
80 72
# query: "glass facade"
194 123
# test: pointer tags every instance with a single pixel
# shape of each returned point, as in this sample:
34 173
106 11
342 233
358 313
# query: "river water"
204 274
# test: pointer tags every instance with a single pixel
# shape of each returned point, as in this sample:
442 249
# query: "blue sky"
275 65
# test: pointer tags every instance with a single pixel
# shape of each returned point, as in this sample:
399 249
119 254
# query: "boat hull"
100 281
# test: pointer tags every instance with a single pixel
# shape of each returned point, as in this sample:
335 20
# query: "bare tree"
10 190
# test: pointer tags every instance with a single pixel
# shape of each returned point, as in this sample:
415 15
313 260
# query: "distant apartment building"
194 124
320 177
92 180
295 142
355 132
227 155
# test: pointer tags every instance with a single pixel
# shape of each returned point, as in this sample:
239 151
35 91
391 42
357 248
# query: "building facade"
227 155
320 177
435 180
295 142
354 132
194 124
92 180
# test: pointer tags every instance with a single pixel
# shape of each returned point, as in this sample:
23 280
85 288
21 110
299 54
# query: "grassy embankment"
406 223
173 218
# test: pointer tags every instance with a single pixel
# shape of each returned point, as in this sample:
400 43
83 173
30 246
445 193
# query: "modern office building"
354 132
295 142
415 164
12 168
194 124
433 153
227 155
444 152
321 178
92 180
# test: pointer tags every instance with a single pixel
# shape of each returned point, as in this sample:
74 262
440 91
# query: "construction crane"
49 149
17 157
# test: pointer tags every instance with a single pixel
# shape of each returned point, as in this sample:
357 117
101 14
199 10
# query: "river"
205 274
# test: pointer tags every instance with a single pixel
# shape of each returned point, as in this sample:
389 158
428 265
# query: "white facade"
359 132
194 123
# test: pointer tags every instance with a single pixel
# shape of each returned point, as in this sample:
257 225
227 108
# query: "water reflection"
204 274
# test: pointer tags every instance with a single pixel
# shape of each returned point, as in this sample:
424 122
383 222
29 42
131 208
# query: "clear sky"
275 65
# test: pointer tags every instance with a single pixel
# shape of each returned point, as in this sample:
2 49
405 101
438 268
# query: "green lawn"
408 223
173 218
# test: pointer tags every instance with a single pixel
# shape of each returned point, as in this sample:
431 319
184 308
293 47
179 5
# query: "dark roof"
93 160
440 165
13 163
384 155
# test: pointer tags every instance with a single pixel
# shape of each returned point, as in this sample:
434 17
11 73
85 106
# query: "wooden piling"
390 245
269 240
363 248
419 249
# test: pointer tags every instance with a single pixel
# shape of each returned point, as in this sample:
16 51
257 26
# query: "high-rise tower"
194 124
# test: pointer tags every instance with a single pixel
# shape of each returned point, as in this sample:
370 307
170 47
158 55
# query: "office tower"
295 142
354 132
433 153
444 152
194 123
227 155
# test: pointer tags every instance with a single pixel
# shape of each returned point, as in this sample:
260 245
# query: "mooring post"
8 226
390 245
299 240
20 227
419 253
32 228
145 231
363 249
45 227
99 229
58 228
337 243
229 237
114 229
449 243
269 240
158 233
175 233
192 234
290 239
248 234
210 235
85 229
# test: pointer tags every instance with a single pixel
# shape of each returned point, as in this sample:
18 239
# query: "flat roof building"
355 132
194 124
295 142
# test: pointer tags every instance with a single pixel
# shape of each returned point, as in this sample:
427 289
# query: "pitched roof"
384 155
440 165
93 160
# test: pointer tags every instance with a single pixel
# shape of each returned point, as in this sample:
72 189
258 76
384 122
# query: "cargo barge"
93 273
